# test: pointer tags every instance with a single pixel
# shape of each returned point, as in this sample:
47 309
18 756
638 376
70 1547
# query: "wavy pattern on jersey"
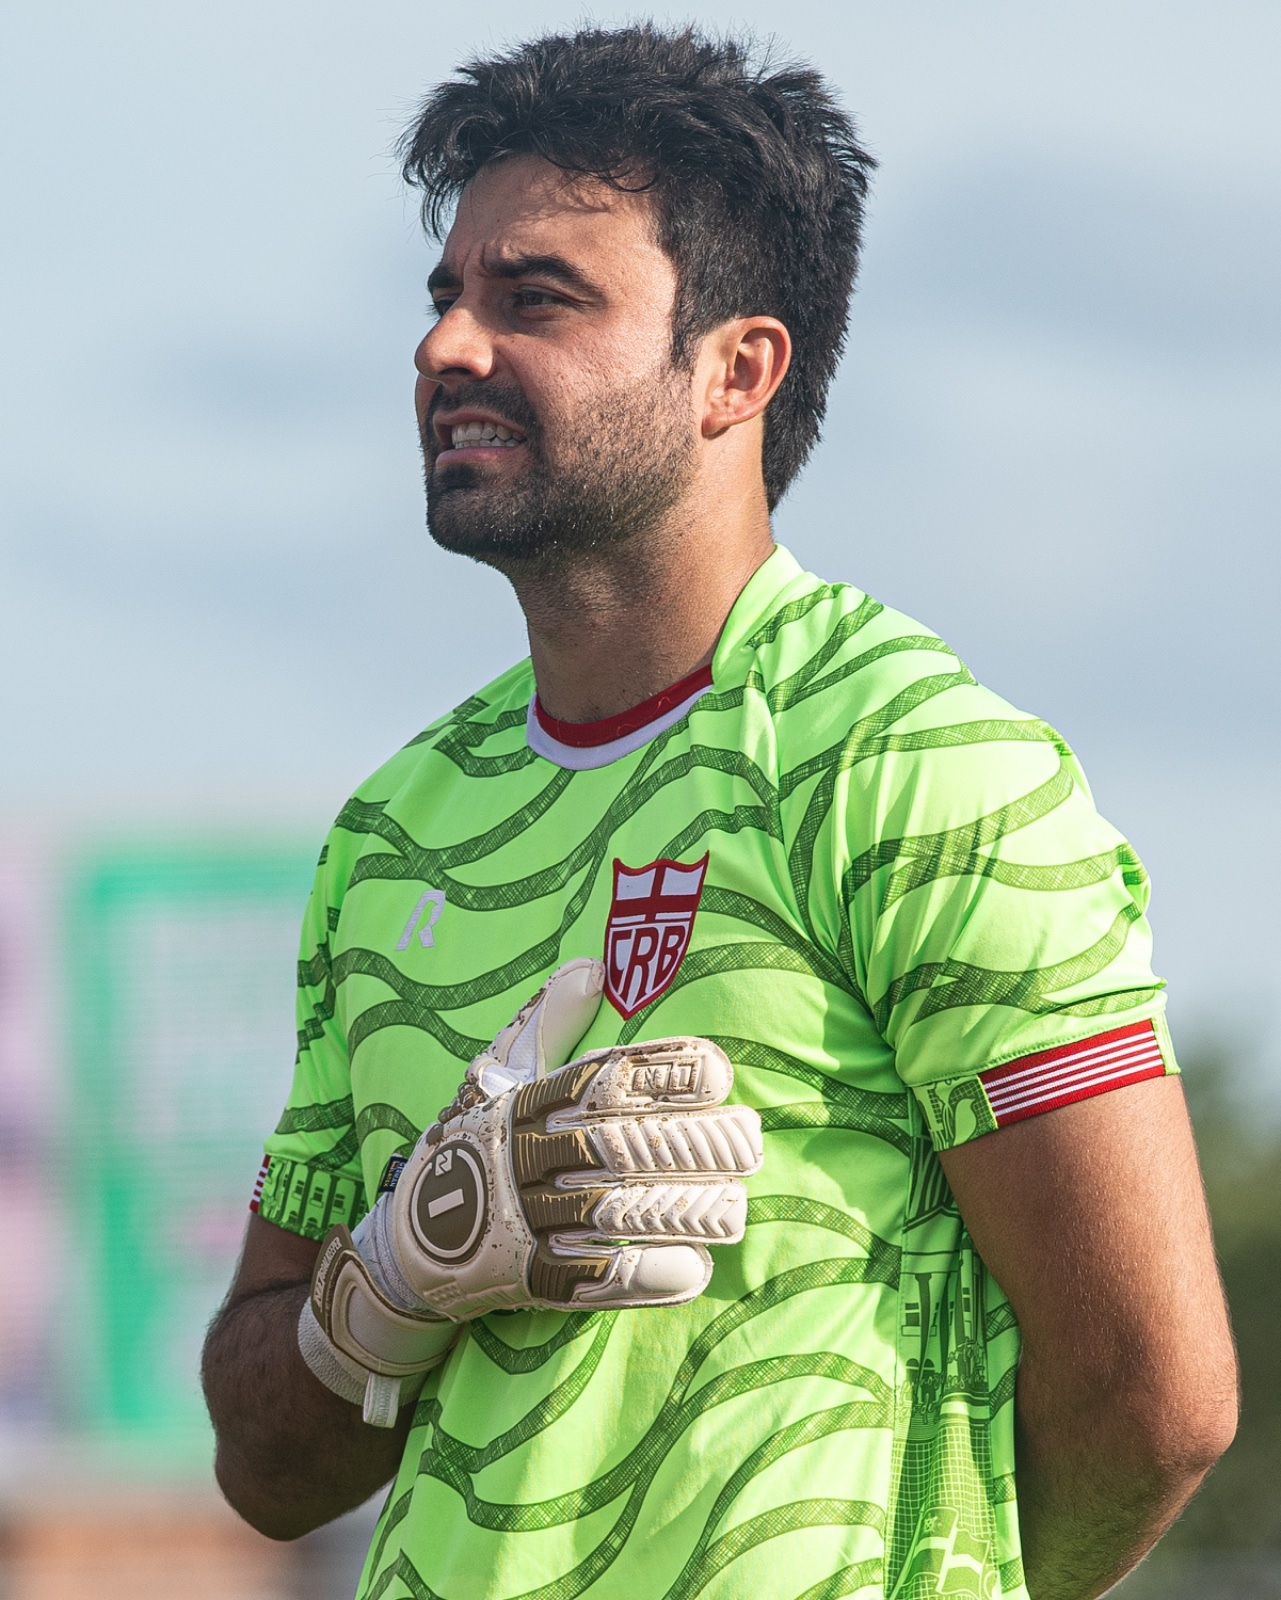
961 1341
452 1462
456 1464
913 861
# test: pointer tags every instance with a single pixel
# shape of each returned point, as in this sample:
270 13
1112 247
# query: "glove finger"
543 1033
634 1276
715 1213
685 1072
725 1140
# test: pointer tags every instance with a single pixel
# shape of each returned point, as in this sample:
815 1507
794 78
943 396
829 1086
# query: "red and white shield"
650 922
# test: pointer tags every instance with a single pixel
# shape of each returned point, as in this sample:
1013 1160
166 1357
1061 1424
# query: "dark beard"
623 467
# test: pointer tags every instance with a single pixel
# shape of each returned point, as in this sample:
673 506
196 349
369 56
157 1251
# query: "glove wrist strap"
360 1344
379 1397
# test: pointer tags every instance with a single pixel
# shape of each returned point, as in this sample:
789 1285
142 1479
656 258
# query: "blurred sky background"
1054 437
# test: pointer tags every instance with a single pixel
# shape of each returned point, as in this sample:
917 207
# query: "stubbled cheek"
424 392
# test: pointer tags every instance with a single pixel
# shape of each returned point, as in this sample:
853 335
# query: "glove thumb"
542 1035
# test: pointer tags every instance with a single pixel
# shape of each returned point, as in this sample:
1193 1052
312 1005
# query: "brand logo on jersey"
650 922
450 1203
425 916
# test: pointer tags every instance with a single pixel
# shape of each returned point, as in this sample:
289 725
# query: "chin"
467 523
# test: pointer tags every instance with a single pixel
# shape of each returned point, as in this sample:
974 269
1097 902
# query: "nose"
458 346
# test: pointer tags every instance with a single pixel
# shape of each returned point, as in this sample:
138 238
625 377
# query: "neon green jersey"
888 897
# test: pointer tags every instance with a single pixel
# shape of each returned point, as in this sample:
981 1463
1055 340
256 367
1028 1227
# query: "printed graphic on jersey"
1053 1078
648 931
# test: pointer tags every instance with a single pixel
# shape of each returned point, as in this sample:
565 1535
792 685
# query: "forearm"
1098 1480
1093 1221
290 1455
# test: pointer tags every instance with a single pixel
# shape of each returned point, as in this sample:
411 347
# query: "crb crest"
650 922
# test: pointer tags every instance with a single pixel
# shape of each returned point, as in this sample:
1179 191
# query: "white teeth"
467 434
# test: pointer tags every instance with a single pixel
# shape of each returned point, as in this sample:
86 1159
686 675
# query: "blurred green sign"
182 970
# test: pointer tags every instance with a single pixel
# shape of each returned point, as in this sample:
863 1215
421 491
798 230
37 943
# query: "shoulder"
860 691
843 654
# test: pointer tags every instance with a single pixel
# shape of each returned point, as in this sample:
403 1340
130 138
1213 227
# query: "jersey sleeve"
999 926
311 1177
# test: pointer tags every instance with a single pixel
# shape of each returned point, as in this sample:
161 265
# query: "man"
865 948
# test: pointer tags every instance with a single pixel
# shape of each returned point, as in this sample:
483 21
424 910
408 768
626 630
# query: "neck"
615 627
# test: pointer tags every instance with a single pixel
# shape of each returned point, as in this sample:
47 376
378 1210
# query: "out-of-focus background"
1054 438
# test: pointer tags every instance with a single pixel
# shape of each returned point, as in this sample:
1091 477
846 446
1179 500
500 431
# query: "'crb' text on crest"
650 922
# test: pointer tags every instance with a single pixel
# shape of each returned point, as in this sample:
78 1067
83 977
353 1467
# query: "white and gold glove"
363 1330
366 1346
594 1185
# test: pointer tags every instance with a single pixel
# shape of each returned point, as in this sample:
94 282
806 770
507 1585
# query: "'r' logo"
433 898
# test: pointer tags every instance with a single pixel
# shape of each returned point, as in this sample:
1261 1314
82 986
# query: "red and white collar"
582 746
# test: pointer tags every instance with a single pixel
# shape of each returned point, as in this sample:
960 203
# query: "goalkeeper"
735 1146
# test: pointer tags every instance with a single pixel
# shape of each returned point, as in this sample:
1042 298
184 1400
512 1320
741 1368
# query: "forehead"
524 206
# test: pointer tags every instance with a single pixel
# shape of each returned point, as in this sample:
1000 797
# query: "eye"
438 305
534 298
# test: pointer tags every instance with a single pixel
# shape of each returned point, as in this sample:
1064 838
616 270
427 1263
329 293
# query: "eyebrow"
555 267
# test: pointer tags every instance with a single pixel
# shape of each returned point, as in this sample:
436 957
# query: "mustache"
507 402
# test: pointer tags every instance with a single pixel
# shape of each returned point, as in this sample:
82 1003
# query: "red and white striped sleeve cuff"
256 1199
1052 1078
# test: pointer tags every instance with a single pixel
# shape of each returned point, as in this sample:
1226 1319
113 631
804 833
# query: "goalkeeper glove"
599 1184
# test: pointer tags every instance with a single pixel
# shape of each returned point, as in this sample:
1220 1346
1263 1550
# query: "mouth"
470 436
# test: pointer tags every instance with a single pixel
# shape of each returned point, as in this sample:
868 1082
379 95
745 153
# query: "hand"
601 1184
597 1184
364 1331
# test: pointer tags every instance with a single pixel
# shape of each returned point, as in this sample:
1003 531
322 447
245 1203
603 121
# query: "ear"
741 365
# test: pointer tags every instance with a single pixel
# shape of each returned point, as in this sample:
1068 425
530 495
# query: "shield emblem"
650 922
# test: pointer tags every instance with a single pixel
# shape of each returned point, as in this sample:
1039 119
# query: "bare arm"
290 1454
1092 1219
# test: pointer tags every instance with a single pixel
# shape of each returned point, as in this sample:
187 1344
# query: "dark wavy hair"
758 180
